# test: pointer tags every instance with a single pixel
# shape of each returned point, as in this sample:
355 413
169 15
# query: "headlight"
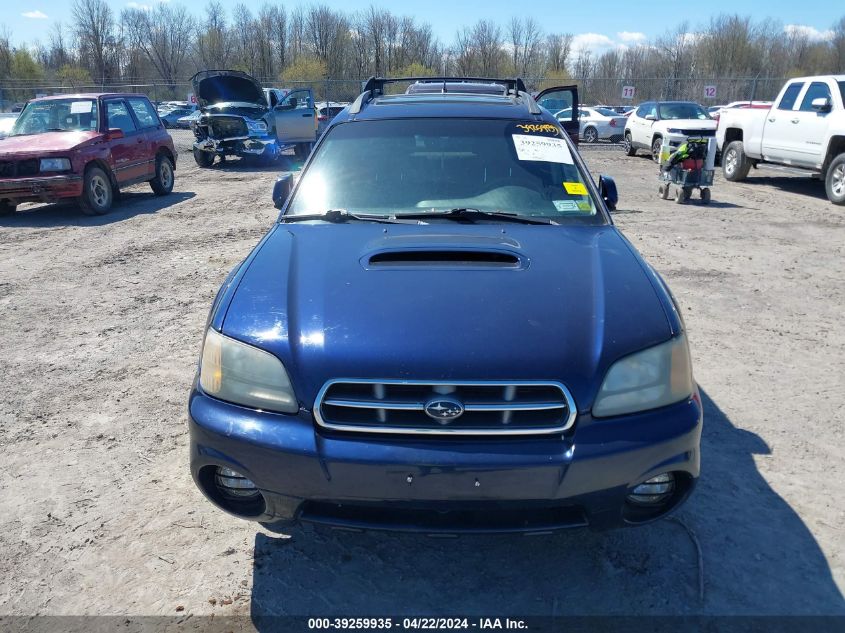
655 377
675 130
243 374
256 126
54 164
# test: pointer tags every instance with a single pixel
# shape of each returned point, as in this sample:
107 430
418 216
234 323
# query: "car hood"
218 86
689 124
577 299
39 144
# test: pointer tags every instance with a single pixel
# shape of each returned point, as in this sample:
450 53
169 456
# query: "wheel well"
166 151
834 149
656 137
732 134
98 162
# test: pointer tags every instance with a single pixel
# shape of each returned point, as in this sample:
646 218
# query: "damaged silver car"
236 119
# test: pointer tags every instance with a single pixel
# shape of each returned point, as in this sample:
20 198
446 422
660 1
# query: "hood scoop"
439 258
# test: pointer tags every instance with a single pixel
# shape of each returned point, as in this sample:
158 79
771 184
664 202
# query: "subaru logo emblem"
444 410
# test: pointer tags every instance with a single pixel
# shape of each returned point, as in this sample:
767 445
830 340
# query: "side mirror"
283 188
822 104
650 117
608 193
114 134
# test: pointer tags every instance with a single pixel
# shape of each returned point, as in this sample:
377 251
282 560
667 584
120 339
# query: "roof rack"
374 86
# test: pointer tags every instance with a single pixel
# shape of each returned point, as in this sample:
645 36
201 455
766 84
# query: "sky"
597 26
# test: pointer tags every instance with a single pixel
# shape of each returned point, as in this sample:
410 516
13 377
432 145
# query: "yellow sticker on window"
575 188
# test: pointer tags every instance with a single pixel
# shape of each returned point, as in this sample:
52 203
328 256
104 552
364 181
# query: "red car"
87 147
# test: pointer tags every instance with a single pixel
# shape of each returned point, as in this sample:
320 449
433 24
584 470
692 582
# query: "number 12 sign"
628 92
709 92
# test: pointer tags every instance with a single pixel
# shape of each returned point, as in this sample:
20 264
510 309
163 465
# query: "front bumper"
41 188
448 485
240 146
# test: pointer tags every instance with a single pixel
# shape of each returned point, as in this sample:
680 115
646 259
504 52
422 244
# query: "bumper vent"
441 408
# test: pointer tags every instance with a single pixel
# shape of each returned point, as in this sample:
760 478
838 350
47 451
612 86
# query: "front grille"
223 127
20 168
698 133
413 407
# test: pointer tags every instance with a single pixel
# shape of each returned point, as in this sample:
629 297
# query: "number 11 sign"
628 92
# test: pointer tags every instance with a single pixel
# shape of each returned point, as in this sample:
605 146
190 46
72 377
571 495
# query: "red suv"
85 146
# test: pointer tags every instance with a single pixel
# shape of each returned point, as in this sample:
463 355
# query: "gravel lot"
102 321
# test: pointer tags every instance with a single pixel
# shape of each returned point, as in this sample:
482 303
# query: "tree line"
166 44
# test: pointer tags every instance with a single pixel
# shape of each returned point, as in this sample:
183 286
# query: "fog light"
653 491
233 484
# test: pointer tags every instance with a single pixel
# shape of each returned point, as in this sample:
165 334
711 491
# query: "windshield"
57 115
428 165
682 111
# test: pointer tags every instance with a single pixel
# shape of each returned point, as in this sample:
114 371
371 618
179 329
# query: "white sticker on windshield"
81 107
542 148
565 205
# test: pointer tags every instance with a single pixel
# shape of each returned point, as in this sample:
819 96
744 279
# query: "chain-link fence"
593 90
15 93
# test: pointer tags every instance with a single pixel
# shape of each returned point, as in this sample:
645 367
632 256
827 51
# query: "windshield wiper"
339 216
470 214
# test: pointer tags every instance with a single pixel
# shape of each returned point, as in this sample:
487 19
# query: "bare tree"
524 35
96 36
163 35
558 47
212 46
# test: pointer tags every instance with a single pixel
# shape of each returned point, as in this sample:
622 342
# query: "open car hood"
218 86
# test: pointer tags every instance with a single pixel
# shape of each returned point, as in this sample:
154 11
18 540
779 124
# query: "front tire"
628 145
590 135
834 182
7 208
301 150
203 159
162 184
97 192
656 144
735 164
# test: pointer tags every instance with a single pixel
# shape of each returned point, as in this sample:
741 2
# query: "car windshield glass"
682 111
391 167
842 90
57 115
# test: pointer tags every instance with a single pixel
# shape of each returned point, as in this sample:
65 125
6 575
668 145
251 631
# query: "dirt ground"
101 325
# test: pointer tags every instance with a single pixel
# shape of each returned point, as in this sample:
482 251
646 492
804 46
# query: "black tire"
656 143
705 196
162 184
590 135
97 192
203 159
834 180
301 150
735 164
628 145
7 208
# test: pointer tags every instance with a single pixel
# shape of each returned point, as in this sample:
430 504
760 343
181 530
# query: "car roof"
90 95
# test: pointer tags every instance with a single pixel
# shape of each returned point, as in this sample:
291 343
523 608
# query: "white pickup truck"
803 130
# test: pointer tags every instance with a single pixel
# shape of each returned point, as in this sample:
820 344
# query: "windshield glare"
57 115
682 111
391 167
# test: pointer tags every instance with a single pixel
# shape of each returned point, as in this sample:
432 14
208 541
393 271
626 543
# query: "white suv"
654 120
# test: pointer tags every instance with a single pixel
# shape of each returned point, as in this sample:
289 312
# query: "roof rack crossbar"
375 85
533 108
